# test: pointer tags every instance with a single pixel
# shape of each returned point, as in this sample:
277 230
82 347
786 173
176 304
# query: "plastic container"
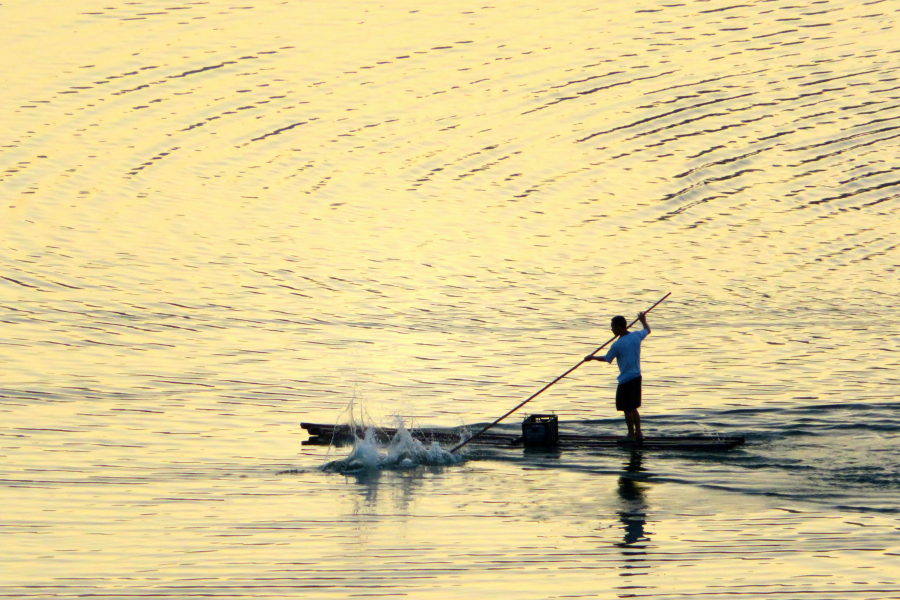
540 430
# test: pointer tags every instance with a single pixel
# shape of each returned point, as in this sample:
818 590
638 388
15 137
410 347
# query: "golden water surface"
220 219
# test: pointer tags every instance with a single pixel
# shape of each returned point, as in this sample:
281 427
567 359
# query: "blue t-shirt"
627 352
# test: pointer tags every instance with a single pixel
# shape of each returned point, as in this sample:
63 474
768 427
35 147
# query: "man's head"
618 325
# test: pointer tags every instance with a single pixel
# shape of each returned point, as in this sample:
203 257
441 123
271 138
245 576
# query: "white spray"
402 452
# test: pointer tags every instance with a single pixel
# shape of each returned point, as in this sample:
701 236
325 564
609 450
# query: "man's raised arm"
643 318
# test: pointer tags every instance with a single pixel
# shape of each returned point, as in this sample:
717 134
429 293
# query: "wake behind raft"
538 431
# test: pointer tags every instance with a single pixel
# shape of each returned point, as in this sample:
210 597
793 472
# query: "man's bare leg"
633 420
629 420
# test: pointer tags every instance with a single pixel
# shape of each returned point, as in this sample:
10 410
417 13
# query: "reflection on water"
633 515
367 483
634 503
401 487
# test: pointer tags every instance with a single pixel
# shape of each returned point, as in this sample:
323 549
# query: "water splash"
402 452
364 422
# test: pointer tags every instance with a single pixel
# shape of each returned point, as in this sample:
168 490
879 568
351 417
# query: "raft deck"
342 434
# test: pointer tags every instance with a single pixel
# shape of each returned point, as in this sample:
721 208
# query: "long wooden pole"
540 391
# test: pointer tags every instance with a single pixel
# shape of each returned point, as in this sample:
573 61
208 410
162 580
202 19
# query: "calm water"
220 220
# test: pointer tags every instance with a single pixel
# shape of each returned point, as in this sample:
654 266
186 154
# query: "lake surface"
220 220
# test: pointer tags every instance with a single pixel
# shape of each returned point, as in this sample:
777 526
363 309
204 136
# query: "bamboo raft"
322 434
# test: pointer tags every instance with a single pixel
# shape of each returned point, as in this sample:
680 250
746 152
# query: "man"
627 352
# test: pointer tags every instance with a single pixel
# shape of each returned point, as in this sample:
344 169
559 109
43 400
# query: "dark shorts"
628 395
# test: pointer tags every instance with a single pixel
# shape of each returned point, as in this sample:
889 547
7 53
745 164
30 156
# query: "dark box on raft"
540 431
321 433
